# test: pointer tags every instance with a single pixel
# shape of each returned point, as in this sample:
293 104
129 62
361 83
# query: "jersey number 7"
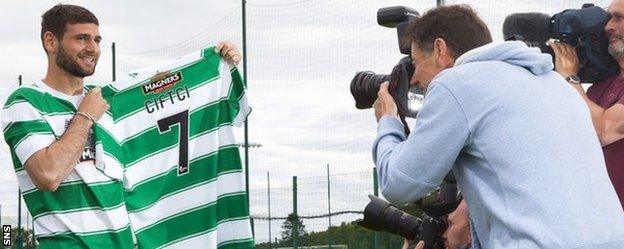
180 119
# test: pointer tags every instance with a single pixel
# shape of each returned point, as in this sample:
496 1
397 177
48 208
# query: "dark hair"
458 25
56 19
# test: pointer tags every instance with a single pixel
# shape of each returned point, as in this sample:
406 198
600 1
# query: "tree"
27 238
287 227
350 234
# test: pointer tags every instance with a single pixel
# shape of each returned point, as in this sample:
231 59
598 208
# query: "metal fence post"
269 203
18 240
246 123
376 193
329 242
114 61
295 217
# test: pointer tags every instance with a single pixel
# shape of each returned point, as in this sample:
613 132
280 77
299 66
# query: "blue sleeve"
410 168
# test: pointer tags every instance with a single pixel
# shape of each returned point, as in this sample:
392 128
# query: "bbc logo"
6 235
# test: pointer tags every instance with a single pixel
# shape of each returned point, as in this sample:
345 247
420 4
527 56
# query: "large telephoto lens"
364 88
381 216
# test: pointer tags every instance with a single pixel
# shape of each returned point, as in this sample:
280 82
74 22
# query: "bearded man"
605 99
48 127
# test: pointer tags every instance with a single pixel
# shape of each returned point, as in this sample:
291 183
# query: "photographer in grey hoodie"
518 138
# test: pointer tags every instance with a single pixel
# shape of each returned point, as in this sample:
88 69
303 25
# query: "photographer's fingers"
566 60
556 47
558 55
420 245
383 89
384 94
571 51
405 244
384 105
564 50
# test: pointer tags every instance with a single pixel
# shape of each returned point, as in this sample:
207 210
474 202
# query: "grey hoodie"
522 146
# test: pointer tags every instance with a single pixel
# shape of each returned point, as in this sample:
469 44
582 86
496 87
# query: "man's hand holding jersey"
229 52
93 104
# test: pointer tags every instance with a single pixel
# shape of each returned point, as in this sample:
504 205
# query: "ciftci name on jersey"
162 86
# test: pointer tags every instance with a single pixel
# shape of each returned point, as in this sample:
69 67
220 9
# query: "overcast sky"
301 58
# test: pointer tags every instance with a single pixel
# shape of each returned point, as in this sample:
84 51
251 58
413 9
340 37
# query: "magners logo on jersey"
161 82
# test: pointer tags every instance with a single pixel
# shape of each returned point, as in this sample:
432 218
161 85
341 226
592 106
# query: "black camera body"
581 28
584 29
365 85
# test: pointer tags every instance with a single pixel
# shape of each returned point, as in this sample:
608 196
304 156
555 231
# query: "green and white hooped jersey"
168 135
88 209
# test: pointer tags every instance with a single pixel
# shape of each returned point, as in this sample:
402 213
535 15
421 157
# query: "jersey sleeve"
237 93
109 155
25 129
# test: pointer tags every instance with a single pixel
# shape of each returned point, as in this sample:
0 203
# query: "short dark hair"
458 25
56 19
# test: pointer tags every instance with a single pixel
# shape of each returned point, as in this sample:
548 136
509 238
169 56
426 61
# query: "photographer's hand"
406 244
566 60
384 105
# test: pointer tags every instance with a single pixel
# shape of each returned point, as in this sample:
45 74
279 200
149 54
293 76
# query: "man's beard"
616 48
65 62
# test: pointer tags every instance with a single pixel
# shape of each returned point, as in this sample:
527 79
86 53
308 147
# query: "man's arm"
48 167
609 123
408 168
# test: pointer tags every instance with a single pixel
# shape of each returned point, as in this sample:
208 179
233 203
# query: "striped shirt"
87 210
168 135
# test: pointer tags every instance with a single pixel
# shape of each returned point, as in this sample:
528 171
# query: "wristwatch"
573 79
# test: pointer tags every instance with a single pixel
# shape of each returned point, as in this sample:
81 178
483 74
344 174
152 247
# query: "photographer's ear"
442 53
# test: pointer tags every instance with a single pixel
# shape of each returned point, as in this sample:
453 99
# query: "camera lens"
364 88
381 216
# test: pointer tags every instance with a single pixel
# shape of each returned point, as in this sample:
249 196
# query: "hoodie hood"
512 52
